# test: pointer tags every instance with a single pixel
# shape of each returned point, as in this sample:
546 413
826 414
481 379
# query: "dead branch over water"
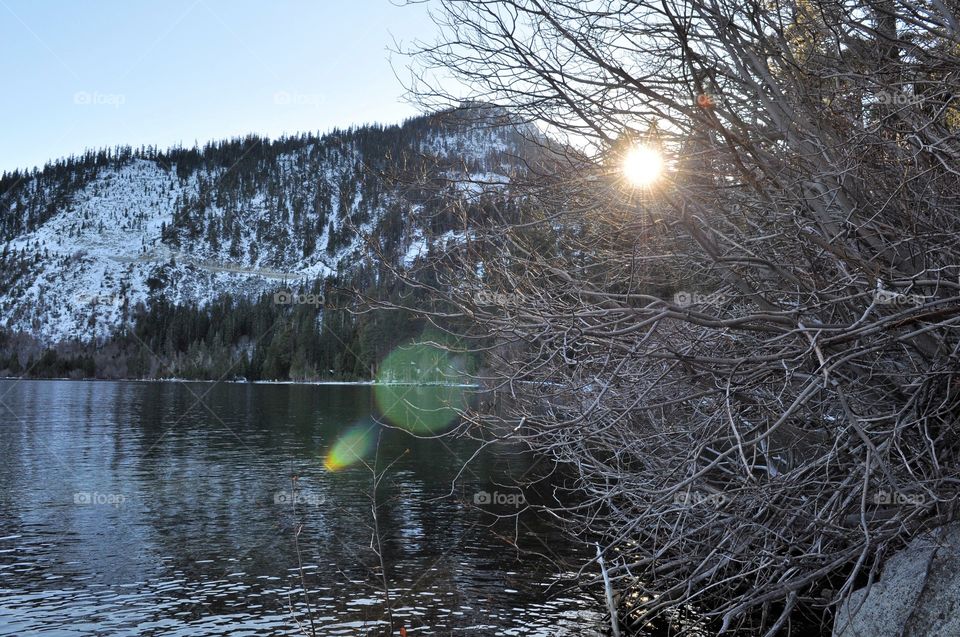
752 363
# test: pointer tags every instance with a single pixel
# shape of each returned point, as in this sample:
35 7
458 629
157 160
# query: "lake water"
171 509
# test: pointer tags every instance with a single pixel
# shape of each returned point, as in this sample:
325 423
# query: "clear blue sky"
80 75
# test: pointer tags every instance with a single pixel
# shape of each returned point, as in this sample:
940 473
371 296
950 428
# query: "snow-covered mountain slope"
87 240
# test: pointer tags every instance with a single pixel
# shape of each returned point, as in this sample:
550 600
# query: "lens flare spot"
352 447
420 387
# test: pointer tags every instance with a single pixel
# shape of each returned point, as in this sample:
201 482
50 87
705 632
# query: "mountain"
97 245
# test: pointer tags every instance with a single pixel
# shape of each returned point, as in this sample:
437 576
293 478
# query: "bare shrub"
742 359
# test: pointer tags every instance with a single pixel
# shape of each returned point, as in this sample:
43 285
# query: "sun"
642 166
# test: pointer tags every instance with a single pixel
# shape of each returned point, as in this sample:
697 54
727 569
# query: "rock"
917 595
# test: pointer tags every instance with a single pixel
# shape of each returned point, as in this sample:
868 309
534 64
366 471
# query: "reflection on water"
170 509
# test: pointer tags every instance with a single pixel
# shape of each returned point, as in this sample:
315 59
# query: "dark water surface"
134 509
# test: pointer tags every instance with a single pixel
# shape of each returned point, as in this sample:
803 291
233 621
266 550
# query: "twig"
611 606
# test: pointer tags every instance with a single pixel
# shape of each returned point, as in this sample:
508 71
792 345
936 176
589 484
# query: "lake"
133 508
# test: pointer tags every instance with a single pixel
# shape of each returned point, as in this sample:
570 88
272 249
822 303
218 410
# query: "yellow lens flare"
352 447
642 166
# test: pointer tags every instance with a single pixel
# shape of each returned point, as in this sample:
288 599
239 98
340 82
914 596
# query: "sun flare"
642 166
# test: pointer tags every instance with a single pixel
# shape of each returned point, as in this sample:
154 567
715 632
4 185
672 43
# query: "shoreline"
249 382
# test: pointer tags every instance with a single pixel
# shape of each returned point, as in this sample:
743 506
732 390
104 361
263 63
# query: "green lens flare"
419 388
352 447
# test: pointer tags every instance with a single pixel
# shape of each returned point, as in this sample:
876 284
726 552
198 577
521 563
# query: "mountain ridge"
243 217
